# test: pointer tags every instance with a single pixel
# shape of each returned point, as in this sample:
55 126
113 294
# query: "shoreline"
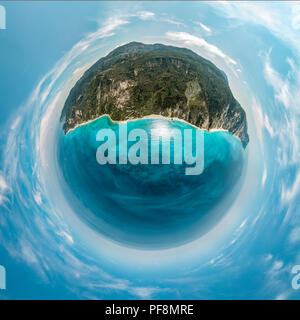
152 116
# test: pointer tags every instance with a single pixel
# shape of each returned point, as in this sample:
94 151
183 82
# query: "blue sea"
150 205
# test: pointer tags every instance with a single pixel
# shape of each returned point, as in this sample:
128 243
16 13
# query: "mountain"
137 80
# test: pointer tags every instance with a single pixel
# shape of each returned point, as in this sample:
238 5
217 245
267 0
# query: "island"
139 80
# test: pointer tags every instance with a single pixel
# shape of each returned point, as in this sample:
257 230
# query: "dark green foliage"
137 80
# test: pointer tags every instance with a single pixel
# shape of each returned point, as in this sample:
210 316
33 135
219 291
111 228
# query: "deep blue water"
148 205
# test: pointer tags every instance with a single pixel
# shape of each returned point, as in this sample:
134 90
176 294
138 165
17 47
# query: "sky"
48 253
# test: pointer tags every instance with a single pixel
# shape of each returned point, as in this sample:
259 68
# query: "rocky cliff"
137 80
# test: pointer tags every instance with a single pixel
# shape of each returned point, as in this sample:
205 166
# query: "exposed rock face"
137 80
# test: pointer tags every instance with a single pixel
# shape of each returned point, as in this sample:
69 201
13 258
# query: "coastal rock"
138 80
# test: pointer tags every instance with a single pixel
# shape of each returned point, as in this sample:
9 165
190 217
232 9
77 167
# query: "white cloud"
27 253
242 225
287 100
296 16
278 264
15 123
110 25
204 27
146 15
259 123
282 296
37 198
145 292
268 257
282 21
67 236
276 270
295 235
189 39
289 193
264 177
277 277
3 184
125 285
256 13
77 73
269 127
281 87
262 121
3 189
172 21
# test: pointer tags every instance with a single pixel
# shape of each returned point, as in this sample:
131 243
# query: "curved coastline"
152 117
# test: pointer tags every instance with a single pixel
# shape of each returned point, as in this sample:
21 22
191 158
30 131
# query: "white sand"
152 116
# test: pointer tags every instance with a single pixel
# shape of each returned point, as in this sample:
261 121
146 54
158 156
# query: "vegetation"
137 80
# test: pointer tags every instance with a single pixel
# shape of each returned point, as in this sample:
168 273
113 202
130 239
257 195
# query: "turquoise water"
150 206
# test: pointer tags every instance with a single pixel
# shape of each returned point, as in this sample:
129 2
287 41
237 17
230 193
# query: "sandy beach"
152 116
